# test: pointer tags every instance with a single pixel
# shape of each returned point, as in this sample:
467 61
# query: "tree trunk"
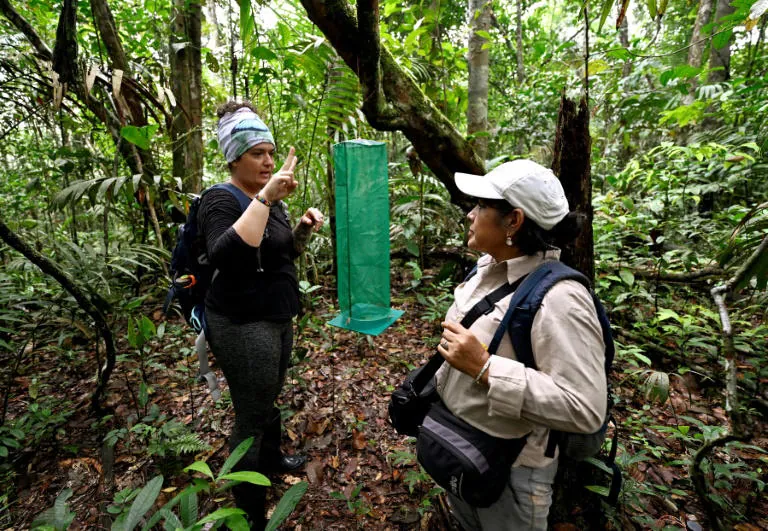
396 102
477 61
698 43
720 59
571 164
519 32
624 40
186 75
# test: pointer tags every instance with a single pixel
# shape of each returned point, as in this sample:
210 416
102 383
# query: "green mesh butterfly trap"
362 237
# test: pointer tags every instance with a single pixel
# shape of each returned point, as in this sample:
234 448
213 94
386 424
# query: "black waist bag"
408 407
465 461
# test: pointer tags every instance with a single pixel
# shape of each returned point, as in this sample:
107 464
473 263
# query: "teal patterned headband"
241 130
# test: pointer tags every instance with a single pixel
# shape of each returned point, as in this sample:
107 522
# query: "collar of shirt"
514 267
490 275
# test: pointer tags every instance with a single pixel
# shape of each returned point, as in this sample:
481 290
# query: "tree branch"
62 277
440 146
700 482
24 27
679 276
379 113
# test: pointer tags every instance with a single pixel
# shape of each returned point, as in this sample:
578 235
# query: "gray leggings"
254 358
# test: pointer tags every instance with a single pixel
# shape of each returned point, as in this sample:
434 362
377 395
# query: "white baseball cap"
523 184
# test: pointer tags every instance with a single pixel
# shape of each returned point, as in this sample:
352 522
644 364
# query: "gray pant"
524 504
254 358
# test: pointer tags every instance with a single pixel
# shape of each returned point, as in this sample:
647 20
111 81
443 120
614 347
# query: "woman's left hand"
314 218
462 349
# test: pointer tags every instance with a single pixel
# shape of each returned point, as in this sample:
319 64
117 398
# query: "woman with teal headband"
255 295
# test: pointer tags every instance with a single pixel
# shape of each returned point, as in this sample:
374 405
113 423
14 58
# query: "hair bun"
569 227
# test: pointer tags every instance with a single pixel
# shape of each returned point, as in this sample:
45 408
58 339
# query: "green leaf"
597 66
607 5
665 313
237 522
221 514
147 328
287 504
200 466
262 52
246 475
657 387
140 136
188 509
722 39
652 8
246 20
197 486
484 34
235 456
212 62
627 276
132 338
619 53
642 357
143 503
597 489
58 517
599 464
143 394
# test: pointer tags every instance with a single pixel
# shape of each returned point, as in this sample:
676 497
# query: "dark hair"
531 238
232 106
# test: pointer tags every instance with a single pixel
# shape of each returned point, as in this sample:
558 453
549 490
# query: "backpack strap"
482 307
518 322
241 196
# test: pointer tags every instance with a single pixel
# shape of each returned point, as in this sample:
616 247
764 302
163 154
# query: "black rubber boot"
252 499
271 458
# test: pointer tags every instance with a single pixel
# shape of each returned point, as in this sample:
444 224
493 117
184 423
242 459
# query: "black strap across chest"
482 307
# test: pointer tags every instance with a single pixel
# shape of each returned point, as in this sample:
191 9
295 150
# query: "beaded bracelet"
483 370
263 200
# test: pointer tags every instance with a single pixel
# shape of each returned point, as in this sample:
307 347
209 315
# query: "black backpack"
191 273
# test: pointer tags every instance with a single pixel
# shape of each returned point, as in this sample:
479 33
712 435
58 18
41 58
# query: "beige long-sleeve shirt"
567 392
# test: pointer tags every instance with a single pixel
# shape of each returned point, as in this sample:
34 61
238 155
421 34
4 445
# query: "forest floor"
361 474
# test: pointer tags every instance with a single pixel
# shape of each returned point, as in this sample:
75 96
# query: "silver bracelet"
483 370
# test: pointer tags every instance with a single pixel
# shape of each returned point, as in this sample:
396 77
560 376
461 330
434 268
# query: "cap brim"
476 186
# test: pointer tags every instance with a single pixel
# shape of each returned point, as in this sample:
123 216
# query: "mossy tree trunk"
186 83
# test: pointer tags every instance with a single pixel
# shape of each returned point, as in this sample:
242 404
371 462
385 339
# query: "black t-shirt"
252 283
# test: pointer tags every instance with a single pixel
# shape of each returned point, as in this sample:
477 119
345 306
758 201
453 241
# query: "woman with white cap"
522 212
253 298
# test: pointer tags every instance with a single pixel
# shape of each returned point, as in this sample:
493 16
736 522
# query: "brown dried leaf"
315 471
359 441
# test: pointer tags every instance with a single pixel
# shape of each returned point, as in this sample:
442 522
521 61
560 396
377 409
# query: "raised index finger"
289 160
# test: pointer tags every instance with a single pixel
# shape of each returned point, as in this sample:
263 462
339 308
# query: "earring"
508 241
